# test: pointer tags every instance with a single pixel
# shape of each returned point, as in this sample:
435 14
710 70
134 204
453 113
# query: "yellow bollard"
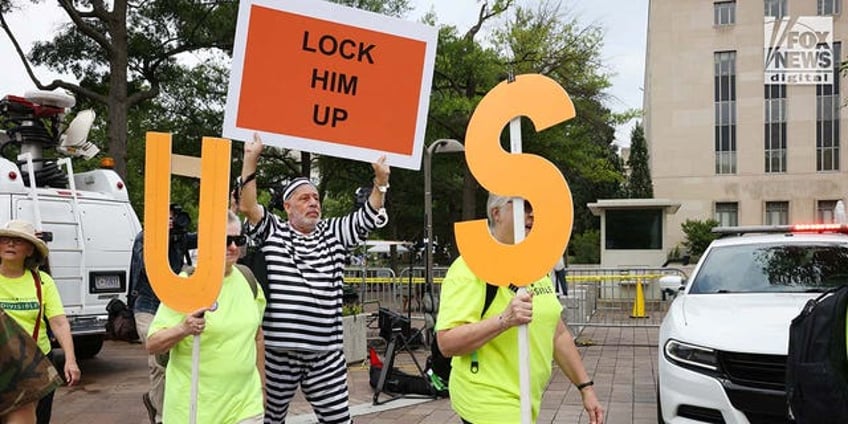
639 302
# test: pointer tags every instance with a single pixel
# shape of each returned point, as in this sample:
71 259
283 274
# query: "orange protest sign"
523 175
325 78
201 288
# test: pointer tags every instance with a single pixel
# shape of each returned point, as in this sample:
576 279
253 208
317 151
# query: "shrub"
586 247
698 235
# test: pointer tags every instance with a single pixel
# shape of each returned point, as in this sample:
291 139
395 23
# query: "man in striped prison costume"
305 257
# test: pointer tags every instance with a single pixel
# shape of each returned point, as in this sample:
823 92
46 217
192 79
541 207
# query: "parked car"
724 341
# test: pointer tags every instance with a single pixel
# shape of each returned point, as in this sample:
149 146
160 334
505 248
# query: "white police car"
724 340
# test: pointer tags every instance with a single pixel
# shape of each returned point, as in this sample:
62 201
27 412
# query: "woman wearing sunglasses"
232 374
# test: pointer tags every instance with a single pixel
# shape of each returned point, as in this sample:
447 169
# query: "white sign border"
345 16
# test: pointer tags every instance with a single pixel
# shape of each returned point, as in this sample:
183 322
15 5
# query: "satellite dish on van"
51 98
74 140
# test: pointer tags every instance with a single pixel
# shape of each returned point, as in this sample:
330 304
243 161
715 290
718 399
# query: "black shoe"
151 411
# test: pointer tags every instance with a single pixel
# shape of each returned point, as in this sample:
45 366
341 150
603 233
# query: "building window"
777 213
775 128
724 13
725 112
634 229
828 7
825 211
727 214
775 8
827 119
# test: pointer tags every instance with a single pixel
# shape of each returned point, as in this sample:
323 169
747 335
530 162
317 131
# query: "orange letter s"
522 175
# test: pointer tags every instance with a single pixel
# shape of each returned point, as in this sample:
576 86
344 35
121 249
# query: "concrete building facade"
724 143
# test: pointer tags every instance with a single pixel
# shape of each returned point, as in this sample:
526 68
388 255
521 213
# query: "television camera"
181 219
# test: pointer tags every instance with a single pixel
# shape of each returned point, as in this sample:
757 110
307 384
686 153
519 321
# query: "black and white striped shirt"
305 276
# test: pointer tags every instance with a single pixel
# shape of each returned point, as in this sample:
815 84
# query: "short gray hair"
495 201
232 218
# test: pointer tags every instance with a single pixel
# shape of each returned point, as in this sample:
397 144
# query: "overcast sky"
625 23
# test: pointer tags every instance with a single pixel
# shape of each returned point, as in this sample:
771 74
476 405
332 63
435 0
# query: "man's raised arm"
247 200
381 182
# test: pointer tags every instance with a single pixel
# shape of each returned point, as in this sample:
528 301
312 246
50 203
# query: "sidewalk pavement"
622 362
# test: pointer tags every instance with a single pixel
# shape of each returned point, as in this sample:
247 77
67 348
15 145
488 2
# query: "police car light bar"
798 228
820 228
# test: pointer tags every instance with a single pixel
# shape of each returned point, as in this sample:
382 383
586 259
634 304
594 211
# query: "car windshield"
777 267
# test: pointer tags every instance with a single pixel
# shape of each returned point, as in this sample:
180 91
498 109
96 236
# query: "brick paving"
622 361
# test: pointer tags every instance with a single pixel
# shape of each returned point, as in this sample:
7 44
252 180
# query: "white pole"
523 336
33 194
195 371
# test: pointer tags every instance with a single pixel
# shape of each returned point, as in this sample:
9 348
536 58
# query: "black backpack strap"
491 292
251 279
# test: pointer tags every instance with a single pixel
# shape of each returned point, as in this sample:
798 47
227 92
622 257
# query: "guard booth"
635 239
634 232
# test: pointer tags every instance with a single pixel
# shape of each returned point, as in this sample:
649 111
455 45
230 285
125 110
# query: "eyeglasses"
239 240
11 240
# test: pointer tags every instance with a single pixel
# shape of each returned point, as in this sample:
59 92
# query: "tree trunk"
118 107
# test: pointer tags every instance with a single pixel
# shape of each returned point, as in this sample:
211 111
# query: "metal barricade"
597 297
393 290
372 284
615 297
411 294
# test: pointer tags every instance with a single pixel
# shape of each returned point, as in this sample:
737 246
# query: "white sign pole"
523 336
195 377
33 194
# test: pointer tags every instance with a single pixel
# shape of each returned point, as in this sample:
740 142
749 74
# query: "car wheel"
659 406
88 346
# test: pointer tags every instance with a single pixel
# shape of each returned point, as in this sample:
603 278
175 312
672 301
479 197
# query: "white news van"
86 218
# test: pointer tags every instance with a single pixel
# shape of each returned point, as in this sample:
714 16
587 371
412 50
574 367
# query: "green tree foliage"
586 247
463 74
397 8
190 107
126 57
699 235
123 52
545 40
639 185
468 64
550 41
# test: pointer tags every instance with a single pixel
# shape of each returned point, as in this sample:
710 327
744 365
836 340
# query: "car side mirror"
670 285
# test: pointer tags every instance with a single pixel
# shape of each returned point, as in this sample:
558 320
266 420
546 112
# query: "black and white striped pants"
322 376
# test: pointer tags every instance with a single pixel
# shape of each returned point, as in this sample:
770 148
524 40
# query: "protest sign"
324 78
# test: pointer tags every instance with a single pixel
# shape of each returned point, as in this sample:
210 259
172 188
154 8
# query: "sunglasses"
12 240
239 240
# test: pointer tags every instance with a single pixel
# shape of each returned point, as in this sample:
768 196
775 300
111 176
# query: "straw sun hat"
25 230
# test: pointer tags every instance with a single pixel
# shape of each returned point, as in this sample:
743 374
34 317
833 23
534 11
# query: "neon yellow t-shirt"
229 386
492 395
20 301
